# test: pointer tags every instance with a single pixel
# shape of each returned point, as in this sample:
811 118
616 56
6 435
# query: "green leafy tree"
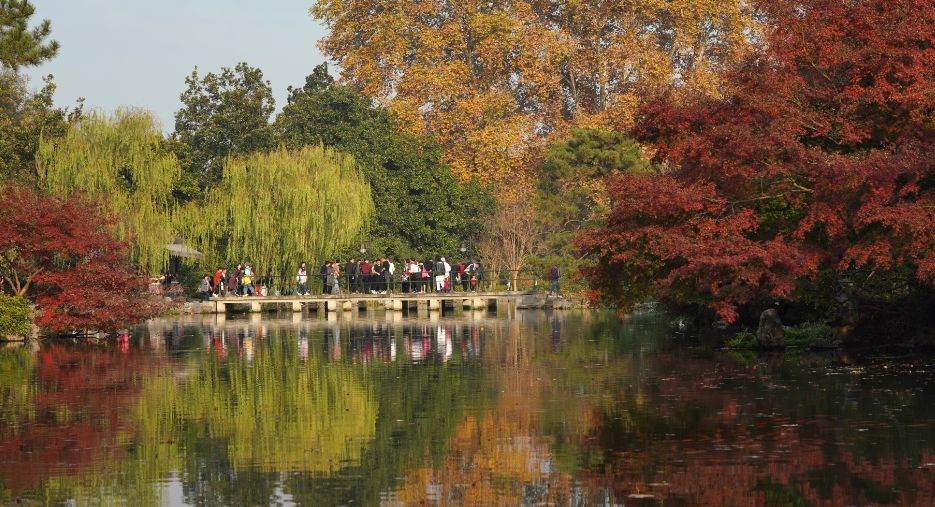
15 316
571 195
120 158
420 208
24 118
280 208
19 45
223 114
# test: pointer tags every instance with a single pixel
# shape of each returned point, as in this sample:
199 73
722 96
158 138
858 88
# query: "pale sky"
138 53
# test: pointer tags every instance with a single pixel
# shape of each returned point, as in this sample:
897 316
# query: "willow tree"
121 159
281 208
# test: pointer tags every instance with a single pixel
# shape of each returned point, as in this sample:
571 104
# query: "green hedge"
15 316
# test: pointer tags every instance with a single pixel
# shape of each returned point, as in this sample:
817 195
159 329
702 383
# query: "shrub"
811 335
15 316
742 340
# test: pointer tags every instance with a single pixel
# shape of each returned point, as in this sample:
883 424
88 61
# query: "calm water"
531 408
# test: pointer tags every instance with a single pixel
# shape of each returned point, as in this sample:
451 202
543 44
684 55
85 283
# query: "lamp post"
362 249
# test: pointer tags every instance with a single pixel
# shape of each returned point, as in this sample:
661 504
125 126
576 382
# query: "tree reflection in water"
472 409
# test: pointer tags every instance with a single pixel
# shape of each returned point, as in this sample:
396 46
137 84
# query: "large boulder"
770 334
531 302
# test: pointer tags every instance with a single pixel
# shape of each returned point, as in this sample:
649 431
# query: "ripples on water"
475 409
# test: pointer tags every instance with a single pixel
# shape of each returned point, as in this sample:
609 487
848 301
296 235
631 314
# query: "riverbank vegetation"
723 158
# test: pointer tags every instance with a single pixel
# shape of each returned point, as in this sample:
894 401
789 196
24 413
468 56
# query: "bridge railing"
488 281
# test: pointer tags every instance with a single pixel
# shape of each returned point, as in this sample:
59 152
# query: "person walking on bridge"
218 282
301 279
334 277
377 276
391 275
204 290
447 275
232 284
350 271
415 276
365 272
248 289
266 284
440 274
553 282
323 273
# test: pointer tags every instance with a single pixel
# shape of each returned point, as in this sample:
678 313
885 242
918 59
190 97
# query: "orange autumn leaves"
494 82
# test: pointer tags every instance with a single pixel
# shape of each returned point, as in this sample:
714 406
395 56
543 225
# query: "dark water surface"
528 408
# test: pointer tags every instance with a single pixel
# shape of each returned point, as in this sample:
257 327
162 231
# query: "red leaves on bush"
61 254
817 158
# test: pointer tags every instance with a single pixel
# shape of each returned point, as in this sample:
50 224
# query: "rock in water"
770 334
531 302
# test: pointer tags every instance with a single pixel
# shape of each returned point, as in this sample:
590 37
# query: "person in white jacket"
447 284
301 279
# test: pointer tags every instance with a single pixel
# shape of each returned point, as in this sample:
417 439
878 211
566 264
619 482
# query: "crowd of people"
379 276
244 280
383 275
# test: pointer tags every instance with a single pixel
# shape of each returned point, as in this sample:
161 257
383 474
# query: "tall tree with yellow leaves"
494 81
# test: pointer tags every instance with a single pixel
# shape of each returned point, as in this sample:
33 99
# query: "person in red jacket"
365 274
218 287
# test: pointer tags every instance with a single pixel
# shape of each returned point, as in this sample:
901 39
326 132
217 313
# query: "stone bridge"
396 301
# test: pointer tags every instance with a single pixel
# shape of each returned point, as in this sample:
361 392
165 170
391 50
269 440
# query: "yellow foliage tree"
494 81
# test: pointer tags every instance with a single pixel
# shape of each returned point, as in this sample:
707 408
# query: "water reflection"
471 409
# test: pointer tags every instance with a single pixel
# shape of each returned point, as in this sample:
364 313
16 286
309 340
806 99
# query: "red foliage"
60 254
817 158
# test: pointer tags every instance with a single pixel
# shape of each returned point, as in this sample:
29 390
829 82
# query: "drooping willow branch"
279 209
119 158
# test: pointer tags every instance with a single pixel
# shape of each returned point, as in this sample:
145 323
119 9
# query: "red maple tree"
817 160
61 254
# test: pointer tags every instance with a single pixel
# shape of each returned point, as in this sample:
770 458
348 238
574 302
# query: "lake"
520 408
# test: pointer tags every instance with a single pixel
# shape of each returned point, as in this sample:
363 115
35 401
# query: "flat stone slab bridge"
394 301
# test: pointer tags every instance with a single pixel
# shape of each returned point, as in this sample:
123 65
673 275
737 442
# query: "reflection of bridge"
418 302
375 336
163 329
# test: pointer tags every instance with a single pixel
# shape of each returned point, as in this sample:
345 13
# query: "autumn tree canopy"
814 173
494 80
